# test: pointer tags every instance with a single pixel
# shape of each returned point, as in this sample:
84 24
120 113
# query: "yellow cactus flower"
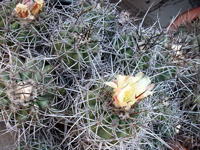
37 7
22 10
128 89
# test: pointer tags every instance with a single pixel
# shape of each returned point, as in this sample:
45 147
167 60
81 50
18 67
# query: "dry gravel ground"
6 139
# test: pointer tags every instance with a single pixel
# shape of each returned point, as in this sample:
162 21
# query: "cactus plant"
151 121
90 45
122 126
79 38
35 144
23 26
24 94
185 54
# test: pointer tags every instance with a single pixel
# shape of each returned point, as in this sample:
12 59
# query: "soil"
6 139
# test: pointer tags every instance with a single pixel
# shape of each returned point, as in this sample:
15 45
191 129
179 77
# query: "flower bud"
22 10
37 7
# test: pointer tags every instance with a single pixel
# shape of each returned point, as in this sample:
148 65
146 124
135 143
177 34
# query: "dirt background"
6 139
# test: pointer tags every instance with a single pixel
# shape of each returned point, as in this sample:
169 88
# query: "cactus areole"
23 89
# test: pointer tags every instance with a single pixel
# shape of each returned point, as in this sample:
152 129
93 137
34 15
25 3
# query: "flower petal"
124 94
22 10
133 80
139 76
121 81
122 104
116 102
28 3
37 7
111 84
141 86
147 92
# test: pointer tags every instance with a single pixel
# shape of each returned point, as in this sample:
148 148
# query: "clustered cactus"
84 76
24 84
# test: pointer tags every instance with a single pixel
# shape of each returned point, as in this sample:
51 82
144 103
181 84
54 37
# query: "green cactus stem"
26 87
